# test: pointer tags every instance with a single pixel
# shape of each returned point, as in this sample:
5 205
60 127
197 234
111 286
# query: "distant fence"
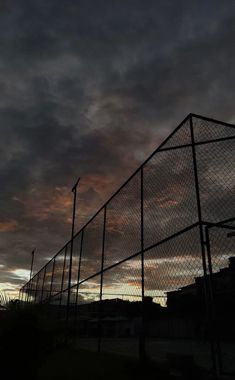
154 267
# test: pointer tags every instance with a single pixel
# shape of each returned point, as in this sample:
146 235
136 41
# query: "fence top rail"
222 223
210 119
158 149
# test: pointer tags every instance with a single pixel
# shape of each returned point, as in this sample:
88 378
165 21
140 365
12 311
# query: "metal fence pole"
32 261
74 190
62 280
51 285
25 294
27 290
20 294
198 197
142 341
215 342
30 276
36 290
78 278
43 282
101 282
198 200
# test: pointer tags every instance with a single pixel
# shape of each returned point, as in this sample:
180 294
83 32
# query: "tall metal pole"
62 280
199 211
142 342
36 290
74 190
31 273
101 282
43 283
52 280
32 261
78 278
214 336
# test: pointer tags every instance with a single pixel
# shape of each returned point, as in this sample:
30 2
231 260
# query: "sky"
89 89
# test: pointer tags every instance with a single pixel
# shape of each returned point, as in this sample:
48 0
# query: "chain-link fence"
153 270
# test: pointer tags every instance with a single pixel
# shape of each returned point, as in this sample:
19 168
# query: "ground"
30 349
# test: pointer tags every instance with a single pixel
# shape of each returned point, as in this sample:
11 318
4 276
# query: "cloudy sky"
90 89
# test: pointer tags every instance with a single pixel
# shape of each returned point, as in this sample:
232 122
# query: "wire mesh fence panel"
158 210
27 292
24 294
32 289
47 281
58 272
64 297
180 137
122 232
21 295
92 247
56 300
39 286
205 130
61 302
169 195
89 291
176 318
121 312
36 288
222 249
45 295
216 173
123 281
88 314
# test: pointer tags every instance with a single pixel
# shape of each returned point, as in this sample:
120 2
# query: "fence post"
51 285
204 264
30 290
101 282
23 294
142 341
215 343
43 282
74 190
36 290
20 295
198 197
27 291
62 280
78 279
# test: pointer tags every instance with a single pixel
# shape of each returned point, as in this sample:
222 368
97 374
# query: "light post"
74 190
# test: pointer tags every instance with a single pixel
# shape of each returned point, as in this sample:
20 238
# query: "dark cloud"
89 90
